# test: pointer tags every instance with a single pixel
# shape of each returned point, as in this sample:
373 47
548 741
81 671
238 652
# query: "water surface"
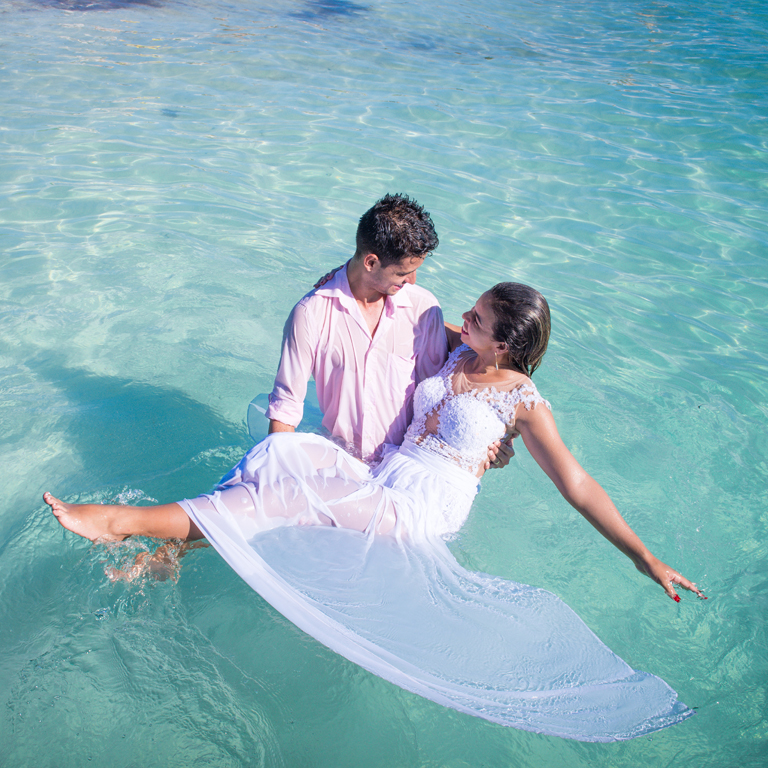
175 175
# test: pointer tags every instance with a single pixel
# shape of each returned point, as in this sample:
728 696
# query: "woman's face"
477 331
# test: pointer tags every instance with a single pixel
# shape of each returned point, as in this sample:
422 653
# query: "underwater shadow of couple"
138 434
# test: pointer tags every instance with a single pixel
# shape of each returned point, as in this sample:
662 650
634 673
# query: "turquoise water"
174 176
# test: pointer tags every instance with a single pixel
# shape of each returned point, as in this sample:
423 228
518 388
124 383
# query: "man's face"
389 280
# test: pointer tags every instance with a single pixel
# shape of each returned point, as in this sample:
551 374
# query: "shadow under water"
128 432
319 9
95 5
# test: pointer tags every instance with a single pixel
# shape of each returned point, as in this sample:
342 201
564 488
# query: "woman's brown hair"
522 323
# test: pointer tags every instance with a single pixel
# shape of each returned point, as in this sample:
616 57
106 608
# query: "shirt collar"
338 288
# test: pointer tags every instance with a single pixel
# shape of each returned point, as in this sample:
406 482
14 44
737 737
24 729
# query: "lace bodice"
457 421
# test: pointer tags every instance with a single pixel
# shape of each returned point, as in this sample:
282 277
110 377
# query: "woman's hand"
581 491
668 578
327 276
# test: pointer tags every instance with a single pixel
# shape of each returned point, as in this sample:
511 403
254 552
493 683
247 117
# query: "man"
368 336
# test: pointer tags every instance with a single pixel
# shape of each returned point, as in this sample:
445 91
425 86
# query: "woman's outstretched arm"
540 435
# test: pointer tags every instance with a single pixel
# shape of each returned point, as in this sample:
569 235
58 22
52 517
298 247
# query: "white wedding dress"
300 521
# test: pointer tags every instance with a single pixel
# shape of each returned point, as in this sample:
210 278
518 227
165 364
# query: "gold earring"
496 358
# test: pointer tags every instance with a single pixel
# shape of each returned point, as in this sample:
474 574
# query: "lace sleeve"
529 396
505 403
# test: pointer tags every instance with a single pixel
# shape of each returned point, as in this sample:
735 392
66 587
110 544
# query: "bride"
357 557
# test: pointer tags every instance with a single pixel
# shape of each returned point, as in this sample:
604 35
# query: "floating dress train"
298 518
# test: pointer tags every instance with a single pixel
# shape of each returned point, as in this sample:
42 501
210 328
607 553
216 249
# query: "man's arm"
279 426
286 401
431 345
453 333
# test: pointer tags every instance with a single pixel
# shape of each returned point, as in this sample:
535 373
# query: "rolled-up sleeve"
286 401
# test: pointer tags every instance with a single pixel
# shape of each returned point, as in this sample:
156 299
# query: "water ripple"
175 175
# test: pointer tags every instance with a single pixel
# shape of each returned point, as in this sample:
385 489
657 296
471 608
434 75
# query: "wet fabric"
356 558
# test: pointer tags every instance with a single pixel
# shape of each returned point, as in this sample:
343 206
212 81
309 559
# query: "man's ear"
370 261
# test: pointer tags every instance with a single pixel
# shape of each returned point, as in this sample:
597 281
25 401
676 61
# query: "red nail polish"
676 598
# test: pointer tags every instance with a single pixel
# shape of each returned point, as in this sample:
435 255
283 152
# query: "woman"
398 603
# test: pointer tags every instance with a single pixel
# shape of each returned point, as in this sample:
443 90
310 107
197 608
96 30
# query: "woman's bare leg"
320 484
114 522
163 564
328 476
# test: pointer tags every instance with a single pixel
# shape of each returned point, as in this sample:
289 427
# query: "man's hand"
500 453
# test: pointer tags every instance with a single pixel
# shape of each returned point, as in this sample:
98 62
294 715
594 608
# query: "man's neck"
365 295
370 301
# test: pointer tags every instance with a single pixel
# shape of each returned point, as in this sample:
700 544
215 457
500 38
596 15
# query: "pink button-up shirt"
364 384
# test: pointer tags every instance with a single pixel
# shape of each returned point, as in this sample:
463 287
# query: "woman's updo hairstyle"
522 323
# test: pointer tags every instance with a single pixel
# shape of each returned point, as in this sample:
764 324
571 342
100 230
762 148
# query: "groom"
368 336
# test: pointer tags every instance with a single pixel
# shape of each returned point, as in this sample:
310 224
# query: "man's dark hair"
396 228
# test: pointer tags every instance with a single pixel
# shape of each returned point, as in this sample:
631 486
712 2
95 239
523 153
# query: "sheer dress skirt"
298 520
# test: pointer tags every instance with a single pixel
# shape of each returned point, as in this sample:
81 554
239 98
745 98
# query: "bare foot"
92 521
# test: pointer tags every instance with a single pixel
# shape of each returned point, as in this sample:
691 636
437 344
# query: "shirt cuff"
285 411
